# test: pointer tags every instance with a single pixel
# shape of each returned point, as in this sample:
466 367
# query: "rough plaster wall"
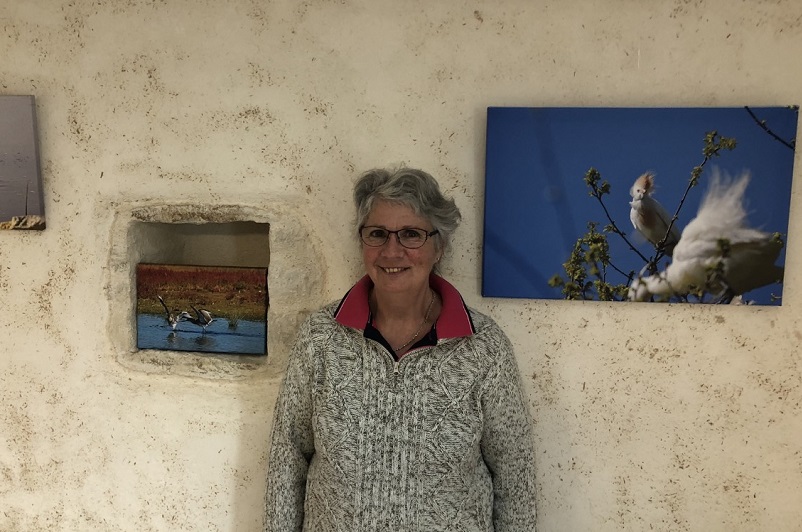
648 416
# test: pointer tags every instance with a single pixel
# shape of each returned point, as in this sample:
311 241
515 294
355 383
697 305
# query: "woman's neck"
388 308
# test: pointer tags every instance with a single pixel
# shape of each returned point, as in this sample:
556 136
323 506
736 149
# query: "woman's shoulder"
488 332
483 323
318 326
322 315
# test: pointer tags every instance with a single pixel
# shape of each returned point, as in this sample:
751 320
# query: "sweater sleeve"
292 442
507 445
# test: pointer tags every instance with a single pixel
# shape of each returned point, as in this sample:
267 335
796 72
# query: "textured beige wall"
648 416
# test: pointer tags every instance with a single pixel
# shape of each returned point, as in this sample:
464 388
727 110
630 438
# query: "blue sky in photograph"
537 204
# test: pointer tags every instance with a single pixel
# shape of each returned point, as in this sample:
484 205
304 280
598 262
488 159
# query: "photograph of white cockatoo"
717 253
581 201
649 217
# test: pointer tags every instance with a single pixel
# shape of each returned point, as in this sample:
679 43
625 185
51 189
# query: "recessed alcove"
203 244
278 237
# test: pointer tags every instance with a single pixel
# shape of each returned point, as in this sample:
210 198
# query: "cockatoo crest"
642 186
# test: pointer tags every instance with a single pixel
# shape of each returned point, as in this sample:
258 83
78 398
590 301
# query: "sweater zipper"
397 363
396 374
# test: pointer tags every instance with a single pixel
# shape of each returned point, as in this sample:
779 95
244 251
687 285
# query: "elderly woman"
401 408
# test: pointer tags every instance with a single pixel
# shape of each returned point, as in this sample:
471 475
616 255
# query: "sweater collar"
454 321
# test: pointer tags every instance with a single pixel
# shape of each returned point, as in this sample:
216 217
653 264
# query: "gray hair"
411 187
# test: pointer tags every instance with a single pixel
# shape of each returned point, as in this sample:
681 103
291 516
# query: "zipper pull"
395 367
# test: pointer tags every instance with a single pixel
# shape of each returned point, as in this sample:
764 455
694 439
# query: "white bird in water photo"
173 318
718 253
649 217
204 317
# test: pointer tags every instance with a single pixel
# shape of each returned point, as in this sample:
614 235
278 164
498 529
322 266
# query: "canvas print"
682 205
207 309
21 198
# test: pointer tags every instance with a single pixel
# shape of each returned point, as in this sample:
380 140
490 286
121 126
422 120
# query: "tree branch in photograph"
589 258
765 127
592 178
591 255
714 143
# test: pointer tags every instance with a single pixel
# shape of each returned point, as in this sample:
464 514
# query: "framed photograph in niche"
207 309
638 204
21 197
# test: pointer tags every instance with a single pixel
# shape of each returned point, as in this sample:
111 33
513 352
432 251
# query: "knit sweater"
438 441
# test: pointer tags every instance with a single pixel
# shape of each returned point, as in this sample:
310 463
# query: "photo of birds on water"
208 309
684 205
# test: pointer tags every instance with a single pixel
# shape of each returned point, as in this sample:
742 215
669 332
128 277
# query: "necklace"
425 319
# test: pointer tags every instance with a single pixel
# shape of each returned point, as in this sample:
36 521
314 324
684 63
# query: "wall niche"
203 244
277 237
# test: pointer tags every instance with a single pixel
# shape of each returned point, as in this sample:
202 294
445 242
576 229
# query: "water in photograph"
248 338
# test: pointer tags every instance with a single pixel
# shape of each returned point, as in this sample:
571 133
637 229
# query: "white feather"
748 263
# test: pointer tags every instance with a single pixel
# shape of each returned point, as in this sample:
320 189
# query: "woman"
401 408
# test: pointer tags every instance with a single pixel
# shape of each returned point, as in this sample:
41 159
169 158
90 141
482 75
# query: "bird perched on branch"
174 317
649 217
717 253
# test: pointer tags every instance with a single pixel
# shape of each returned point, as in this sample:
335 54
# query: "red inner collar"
454 321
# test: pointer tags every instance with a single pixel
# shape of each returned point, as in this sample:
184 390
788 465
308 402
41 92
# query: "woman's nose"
393 245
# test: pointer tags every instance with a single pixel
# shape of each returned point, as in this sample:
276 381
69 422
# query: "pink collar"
454 321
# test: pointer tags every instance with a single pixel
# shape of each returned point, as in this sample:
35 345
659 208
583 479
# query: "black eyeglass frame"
397 237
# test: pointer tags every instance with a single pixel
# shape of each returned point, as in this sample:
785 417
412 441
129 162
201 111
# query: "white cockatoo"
718 252
648 216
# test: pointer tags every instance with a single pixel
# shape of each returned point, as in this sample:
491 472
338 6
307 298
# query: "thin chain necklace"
425 319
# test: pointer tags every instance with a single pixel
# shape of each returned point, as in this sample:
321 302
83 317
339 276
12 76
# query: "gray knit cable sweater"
440 441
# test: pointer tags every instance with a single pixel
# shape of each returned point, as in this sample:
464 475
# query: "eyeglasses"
409 237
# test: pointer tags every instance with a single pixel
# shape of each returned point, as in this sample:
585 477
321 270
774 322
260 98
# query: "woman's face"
392 267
